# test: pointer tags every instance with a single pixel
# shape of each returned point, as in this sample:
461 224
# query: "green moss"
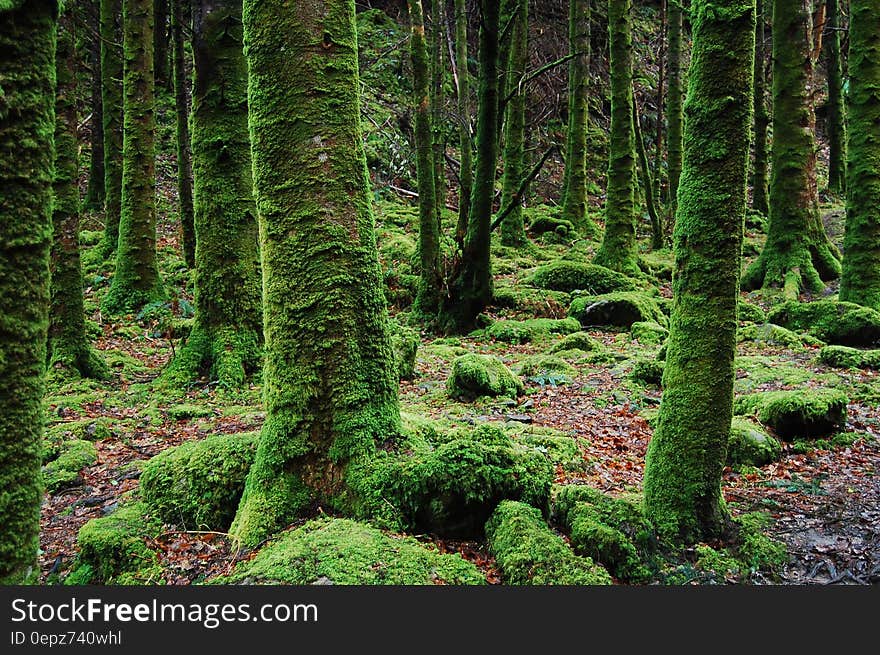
528 552
543 219
791 414
746 312
405 345
560 449
773 335
577 341
344 552
840 323
648 332
63 471
756 550
530 329
565 275
198 484
647 371
542 367
749 445
658 264
620 309
188 411
845 357
481 375
90 429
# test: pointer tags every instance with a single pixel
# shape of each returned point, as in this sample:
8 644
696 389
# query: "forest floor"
824 499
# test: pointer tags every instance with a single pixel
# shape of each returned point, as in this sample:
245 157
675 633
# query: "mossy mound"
89 429
578 341
405 345
547 367
620 309
846 357
560 449
481 375
611 531
648 332
749 445
542 219
335 551
747 313
839 323
528 552
187 411
797 414
647 371
537 302
113 548
72 457
566 275
198 484
774 335
517 332
450 486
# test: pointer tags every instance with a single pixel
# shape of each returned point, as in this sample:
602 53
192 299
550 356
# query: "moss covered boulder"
89 429
64 470
547 368
748 313
198 484
481 375
839 323
405 345
645 370
528 552
797 414
335 551
620 309
846 357
749 445
775 335
532 329
567 275
578 341
648 332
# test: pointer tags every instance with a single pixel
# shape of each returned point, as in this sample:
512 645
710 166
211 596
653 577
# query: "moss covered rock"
334 551
846 357
199 483
567 275
748 313
405 344
530 329
840 323
797 414
89 429
620 309
547 367
648 332
749 445
528 552
188 411
73 457
481 375
578 341
647 371
774 335
541 220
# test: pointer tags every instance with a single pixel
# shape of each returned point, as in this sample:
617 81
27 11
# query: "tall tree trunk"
184 157
95 191
438 101
111 101
515 165
760 186
836 114
661 99
471 285
160 40
69 348
619 250
860 282
574 186
688 450
330 387
797 255
674 116
27 116
465 173
226 337
136 280
647 180
427 302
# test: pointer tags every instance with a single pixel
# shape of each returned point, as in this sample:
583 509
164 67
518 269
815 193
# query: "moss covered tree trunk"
860 282
94 199
27 122
470 288
674 116
465 173
619 250
514 156
836 122
330 386
136 281
687 452
160 40
427 302
438 102
574 184
225 341
69 348
797 255
184 157
111 102
760 185
648 184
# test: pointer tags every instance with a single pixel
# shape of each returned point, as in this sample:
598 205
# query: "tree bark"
465 173
111 101
675 118
760 185
94 199
184 156
514 157
836 113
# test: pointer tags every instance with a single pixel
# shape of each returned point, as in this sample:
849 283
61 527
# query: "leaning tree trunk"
471 285
330 388
619 250
184 157
465 173
136 281
836 114
797 255
27 116
860 282
574 185
512 230
428 297
69 349
760 188
674 117
688 450
111 102
226 337
94 199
